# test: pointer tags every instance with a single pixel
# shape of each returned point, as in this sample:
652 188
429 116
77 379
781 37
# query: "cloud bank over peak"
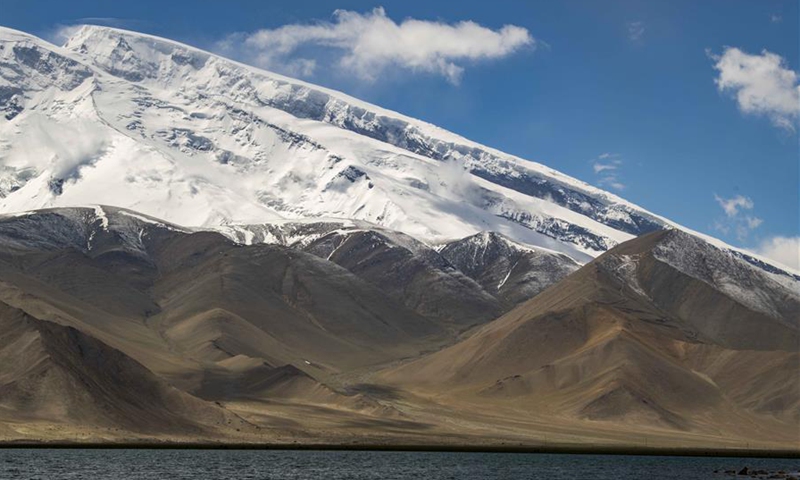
367 44
785 250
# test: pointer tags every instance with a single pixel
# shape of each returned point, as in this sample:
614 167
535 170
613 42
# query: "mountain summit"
120 118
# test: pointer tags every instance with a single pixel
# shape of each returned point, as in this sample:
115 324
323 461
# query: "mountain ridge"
374 182
310 337
630 337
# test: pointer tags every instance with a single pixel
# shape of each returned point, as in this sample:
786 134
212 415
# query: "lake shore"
549 449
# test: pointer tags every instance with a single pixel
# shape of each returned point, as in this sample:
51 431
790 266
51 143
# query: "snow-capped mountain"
120 118
507 269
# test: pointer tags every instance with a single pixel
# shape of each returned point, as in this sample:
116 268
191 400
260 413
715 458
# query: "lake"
124 464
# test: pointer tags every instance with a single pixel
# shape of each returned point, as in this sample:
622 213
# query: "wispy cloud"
785 250
775 18
602 167
63 148
761 84
733 205
736 221
606 166
365 45
635 31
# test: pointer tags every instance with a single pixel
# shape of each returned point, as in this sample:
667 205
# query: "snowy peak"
127 119
506 268
26 61
139 58
150 60
741 278
134 57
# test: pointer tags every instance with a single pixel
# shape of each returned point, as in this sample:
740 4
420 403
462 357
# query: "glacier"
144 123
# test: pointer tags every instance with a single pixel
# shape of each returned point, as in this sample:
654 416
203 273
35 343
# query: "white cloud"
299 67
635 31
63 148
785 250
367 44
607 166
752 222
61 33
734 204
762 85
453 177
735 220
611 181
602 167
775 18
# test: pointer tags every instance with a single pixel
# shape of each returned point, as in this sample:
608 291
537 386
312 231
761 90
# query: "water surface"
134 464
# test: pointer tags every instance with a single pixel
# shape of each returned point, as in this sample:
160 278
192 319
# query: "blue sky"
632 81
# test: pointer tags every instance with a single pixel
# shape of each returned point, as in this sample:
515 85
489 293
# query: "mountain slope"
508 270
654 332
404 268
53 373
192 306
199 140
289 344
107 313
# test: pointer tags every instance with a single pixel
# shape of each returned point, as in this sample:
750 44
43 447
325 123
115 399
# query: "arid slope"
634 340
